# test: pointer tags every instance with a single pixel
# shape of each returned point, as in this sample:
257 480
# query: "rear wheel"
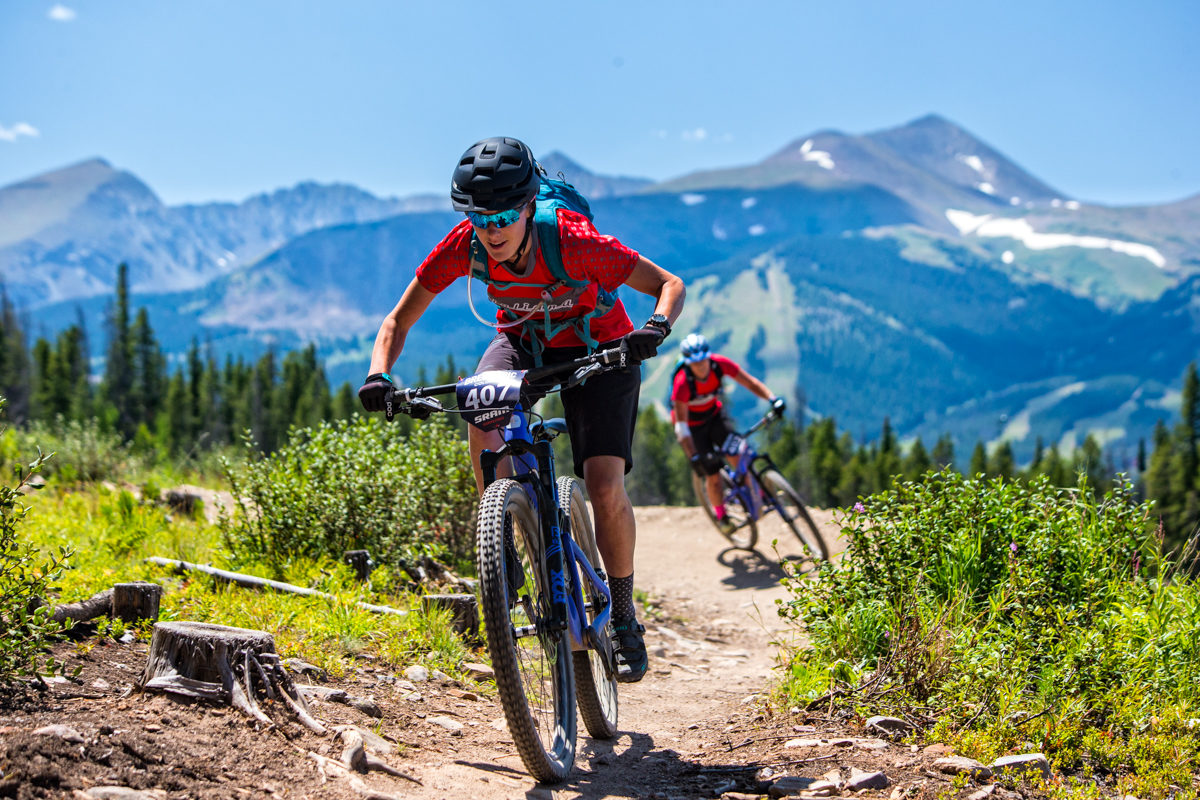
741 530
532 664
792 515
595 688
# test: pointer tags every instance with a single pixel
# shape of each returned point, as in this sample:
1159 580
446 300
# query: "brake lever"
422 407
583 373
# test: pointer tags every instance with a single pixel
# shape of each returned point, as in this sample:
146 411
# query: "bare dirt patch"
694 728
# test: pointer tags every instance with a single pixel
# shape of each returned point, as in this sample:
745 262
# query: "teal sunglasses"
501 219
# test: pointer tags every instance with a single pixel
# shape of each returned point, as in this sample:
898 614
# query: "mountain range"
914 273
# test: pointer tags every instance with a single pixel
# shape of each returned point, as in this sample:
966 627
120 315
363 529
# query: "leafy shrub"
24 576
354 485
83 451
1018 610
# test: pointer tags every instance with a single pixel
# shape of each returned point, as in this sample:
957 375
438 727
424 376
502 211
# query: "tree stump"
132 602
360 561
464 607
222 664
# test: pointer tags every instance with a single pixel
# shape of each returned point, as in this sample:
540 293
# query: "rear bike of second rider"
752 487
544 596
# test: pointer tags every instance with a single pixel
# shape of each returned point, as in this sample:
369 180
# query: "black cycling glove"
697 462
778 406
643 343
374 391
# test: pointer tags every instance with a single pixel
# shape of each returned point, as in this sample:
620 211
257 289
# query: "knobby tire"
533 672
795 516
745 533
595 689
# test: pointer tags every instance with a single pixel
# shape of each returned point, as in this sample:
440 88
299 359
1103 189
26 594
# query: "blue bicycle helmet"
694 348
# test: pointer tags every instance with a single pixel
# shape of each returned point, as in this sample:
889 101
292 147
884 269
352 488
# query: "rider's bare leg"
478 441
713 484
615 527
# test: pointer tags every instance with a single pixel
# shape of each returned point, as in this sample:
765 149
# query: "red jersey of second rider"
586 255
705 402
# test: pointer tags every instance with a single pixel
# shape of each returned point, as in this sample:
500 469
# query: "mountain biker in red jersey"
495 184
700 422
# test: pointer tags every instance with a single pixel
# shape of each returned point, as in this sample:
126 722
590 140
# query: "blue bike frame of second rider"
744 482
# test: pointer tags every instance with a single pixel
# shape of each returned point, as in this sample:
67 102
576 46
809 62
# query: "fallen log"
129 602
255 582
98 605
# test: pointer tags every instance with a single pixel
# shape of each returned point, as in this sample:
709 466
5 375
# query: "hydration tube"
546 297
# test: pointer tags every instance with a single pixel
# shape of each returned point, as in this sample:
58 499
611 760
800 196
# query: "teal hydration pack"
552 195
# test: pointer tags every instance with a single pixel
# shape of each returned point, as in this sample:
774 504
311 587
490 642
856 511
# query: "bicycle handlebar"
767 419
421 399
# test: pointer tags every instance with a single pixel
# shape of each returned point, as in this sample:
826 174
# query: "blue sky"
221 99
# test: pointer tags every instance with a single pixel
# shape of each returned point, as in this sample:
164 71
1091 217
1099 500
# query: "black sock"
622 598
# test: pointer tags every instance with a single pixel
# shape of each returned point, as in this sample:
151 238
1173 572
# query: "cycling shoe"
629 650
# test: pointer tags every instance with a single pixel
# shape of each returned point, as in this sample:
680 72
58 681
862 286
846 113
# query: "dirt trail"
710 630
710 626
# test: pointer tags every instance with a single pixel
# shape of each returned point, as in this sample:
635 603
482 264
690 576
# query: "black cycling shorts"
601 413
710 435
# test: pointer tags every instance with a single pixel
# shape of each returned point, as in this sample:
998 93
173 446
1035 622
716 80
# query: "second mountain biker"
700 422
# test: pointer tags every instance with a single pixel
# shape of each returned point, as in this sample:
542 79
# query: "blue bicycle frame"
532 460
748 493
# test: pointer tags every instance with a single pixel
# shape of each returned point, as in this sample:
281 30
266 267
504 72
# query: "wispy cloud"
17 131
60 13
695 135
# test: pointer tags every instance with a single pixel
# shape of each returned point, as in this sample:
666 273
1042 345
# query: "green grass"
1013 617
112 535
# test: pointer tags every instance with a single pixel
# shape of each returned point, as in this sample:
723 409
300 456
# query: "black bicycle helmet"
495 174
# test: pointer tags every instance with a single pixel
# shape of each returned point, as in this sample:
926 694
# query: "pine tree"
1055 469
43 400
345 402
978 463
827 460
943 451
15 366
1039 450
1002 463
148 390
887 460
917 462
118 368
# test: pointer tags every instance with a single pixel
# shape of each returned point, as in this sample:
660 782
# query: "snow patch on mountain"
988 226
821 158
972 161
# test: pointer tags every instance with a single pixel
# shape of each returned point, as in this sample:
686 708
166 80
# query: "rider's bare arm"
681 421
754 384
389 342
649 278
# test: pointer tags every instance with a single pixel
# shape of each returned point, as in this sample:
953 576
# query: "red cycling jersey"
586 255
704 402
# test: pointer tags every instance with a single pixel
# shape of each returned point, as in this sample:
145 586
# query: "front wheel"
794 516
739 527
532 664
595 687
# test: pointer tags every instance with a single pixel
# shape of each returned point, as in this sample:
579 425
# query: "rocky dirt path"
711 626
691 729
